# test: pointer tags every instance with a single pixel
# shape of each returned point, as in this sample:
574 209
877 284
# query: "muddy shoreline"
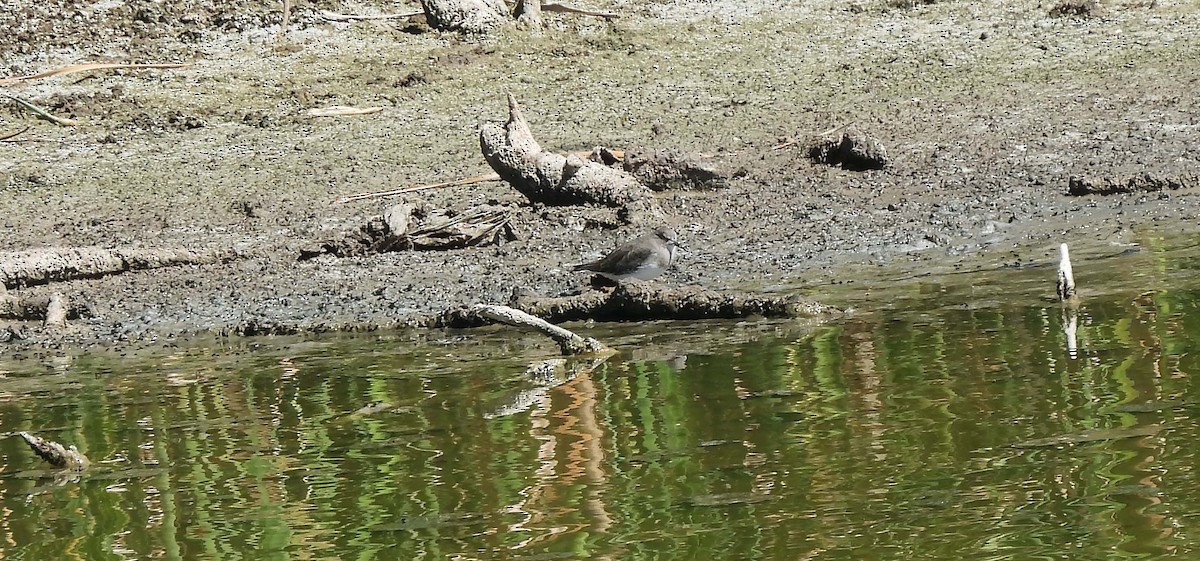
987 114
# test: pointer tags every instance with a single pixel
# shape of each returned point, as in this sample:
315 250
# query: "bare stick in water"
1066 278
568 341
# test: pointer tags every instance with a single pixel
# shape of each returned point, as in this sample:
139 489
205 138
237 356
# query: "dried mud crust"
986 114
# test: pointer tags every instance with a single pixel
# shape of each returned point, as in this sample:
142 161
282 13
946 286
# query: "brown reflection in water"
573 427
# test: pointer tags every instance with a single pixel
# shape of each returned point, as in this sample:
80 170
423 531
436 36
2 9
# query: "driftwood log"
43 266
634 301
56 454
557 180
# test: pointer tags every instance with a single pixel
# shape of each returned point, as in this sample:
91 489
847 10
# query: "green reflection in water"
919 427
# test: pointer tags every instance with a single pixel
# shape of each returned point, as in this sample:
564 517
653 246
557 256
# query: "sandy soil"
986 109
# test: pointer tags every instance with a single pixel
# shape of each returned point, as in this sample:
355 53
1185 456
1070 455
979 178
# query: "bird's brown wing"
624 258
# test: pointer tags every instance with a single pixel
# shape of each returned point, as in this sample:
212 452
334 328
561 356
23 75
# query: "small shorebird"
642 259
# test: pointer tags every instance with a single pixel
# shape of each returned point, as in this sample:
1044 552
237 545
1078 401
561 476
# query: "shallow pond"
943 419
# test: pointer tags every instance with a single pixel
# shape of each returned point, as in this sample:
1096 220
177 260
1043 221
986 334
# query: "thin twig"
85 68
341 111
550 7
402 191
333 16
792 142
6 137
287 15
43 113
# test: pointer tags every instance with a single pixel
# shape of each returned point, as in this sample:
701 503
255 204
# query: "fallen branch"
43 113
35 267
635 301
72 69
553 179
56 454
332 16
417 188
568 342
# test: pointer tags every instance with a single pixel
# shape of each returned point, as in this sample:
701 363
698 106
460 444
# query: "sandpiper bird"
640 259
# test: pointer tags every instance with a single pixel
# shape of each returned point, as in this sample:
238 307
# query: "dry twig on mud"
551 7
333 16
287 16
7 136
790 142
341 111
417 188
43 113
85 68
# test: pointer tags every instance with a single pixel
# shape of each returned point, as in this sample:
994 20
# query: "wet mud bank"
206 200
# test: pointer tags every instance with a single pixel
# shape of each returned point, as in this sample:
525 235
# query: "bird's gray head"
667 235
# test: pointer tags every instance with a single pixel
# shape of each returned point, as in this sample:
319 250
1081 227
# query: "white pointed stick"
1066 278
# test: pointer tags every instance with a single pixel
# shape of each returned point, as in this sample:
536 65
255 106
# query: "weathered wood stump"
557 180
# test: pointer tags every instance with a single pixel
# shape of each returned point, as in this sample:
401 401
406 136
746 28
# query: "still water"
943 419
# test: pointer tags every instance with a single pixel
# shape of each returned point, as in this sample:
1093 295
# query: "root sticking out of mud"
1144 183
